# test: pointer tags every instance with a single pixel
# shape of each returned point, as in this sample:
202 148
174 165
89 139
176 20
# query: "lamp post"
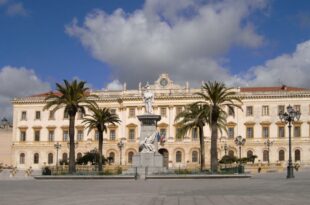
288 117
239 141
57 147
225 148
268 143
120 145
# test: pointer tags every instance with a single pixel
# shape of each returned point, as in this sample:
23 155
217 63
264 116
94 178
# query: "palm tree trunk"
72 169
214 160
100 149
202 149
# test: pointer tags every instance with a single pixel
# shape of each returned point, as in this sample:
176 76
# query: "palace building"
35 132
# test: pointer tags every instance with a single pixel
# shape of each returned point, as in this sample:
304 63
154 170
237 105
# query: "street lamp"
57 147
239 141
288 117
225 148
268 143
120 145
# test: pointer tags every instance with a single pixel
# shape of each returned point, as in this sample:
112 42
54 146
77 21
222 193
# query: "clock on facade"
163 82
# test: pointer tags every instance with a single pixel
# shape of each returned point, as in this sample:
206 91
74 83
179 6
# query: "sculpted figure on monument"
148 97
148 145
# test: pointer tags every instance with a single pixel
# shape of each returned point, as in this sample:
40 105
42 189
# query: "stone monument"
148 160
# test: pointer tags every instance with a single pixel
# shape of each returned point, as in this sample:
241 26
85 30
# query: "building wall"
171 99
6 143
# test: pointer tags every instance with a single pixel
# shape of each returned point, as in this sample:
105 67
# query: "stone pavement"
261 189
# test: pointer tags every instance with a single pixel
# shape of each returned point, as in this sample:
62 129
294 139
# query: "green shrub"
182 171
92 157
119 170
228 159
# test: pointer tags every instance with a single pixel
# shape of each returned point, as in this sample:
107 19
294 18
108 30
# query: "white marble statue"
148 97
148 145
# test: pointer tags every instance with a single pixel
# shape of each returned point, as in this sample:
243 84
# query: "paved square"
272 188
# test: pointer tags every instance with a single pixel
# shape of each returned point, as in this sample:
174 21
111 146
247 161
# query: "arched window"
265 155
36 158
50 158
281 155
65 157
194 156
297 155
79 155
22 158
231 153
130 155
249 154
111 157
178 156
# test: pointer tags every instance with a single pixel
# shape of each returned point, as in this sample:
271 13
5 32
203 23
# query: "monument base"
144 164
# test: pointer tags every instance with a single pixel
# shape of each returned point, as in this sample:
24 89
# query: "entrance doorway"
165 154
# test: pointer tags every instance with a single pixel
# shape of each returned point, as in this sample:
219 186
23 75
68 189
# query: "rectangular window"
296 108
281 132
80 115
65 135
249 132
178 138
51 115
131 135
163 132
38 115
66 115
297 132
195 134
113 111
24 115
37 135
51 135
265 132
178 110
80 135
163 112
132 112
281 109
112 135
249 110
22 136
231 132
265 110
231 111
96 135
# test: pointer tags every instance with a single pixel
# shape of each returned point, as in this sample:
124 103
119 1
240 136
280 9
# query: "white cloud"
17 82
184 38
290 69
16 9
114 85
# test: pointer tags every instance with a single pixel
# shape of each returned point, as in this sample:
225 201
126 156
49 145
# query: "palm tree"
194 116
73 96
217 97
99 119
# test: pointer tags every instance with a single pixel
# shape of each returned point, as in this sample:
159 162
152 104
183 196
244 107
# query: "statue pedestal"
148 160
147 163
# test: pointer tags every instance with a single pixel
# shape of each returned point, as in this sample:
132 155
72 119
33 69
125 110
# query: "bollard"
136 173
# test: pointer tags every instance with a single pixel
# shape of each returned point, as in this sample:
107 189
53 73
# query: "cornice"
175 96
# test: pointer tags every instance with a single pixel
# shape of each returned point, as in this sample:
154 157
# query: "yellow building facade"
35 132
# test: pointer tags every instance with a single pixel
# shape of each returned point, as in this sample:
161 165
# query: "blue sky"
258 42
